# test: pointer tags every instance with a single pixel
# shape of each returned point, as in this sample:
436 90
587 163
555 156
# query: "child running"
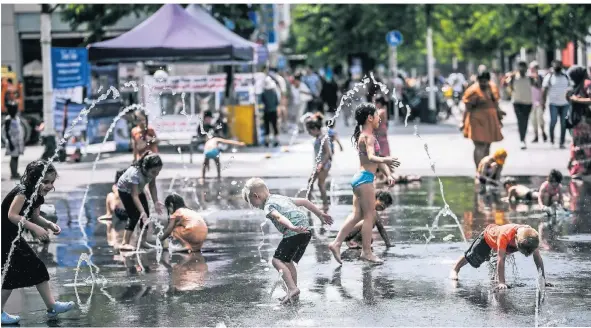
490 167
115 209
383 201
505 239
551 191
291 222
131 187
322 158
519 193
211 150
185 225
25 268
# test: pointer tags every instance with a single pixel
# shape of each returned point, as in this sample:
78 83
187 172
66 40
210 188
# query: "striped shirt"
557 85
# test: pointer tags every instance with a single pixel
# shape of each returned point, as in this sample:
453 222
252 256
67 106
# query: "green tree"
96 17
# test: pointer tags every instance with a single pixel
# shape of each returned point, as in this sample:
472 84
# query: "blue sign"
69 67
394 38
281 62
64 115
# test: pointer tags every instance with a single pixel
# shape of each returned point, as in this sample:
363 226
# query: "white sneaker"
59 307
523 145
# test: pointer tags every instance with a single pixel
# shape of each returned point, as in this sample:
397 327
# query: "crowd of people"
136 186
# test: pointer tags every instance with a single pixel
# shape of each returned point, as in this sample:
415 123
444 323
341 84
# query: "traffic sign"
394 38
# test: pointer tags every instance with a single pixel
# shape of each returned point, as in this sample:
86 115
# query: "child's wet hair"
384 197
509 181
149 161
381 100
252 183
173 202
118 175
555 176
33 174
528 241
362 112
142 113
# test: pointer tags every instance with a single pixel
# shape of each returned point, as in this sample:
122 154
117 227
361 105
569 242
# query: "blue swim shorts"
212 154
362 177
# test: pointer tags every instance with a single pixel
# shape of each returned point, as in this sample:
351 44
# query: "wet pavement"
230 282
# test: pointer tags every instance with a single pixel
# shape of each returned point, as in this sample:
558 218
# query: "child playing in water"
114 208
505 239
383 201
517 192
322 158
551 191
211 150
332 135
490 167
185 225
291 222
25 269
143 137
131 187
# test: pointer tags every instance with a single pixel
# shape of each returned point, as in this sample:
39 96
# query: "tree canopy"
97 17
328 32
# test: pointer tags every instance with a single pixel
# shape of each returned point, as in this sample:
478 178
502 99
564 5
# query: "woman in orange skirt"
482 118
185 225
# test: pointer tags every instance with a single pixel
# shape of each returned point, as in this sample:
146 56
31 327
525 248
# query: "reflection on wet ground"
230 281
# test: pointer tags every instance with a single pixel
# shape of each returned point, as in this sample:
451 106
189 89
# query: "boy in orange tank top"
505 239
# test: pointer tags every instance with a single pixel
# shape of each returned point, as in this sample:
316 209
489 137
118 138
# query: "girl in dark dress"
23 268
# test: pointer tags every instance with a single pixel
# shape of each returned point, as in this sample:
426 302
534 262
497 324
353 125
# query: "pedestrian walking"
521 96
13 135
482 118
270 101
580 121
302 97
537 113
555 87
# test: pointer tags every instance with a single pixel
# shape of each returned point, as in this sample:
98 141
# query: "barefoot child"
322 158
505 239
291 222
383 201
332 134
519 193
490 167
25 268
185 225
115 209
211 150
551 190
131 186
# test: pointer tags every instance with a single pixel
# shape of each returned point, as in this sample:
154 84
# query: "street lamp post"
49 128
430 62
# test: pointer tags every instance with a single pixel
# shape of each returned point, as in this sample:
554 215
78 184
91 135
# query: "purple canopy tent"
201 15
172 34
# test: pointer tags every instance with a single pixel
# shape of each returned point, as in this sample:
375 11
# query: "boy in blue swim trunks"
291 221
211 150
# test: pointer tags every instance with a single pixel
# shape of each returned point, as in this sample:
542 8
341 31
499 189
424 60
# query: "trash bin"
242 122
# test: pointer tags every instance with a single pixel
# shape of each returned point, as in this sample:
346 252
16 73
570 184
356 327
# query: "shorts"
529 196
362 177
292 248
479 252
212 154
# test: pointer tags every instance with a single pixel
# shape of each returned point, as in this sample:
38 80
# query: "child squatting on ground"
25 268
383 201
505 239
292 222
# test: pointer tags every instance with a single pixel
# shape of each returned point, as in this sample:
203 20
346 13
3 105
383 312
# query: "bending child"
184 224
114 207
25 268
131 186
383 201
490 167
551 191
291 221
211 150
505 239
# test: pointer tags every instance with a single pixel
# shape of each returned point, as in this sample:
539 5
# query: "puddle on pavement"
228 283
